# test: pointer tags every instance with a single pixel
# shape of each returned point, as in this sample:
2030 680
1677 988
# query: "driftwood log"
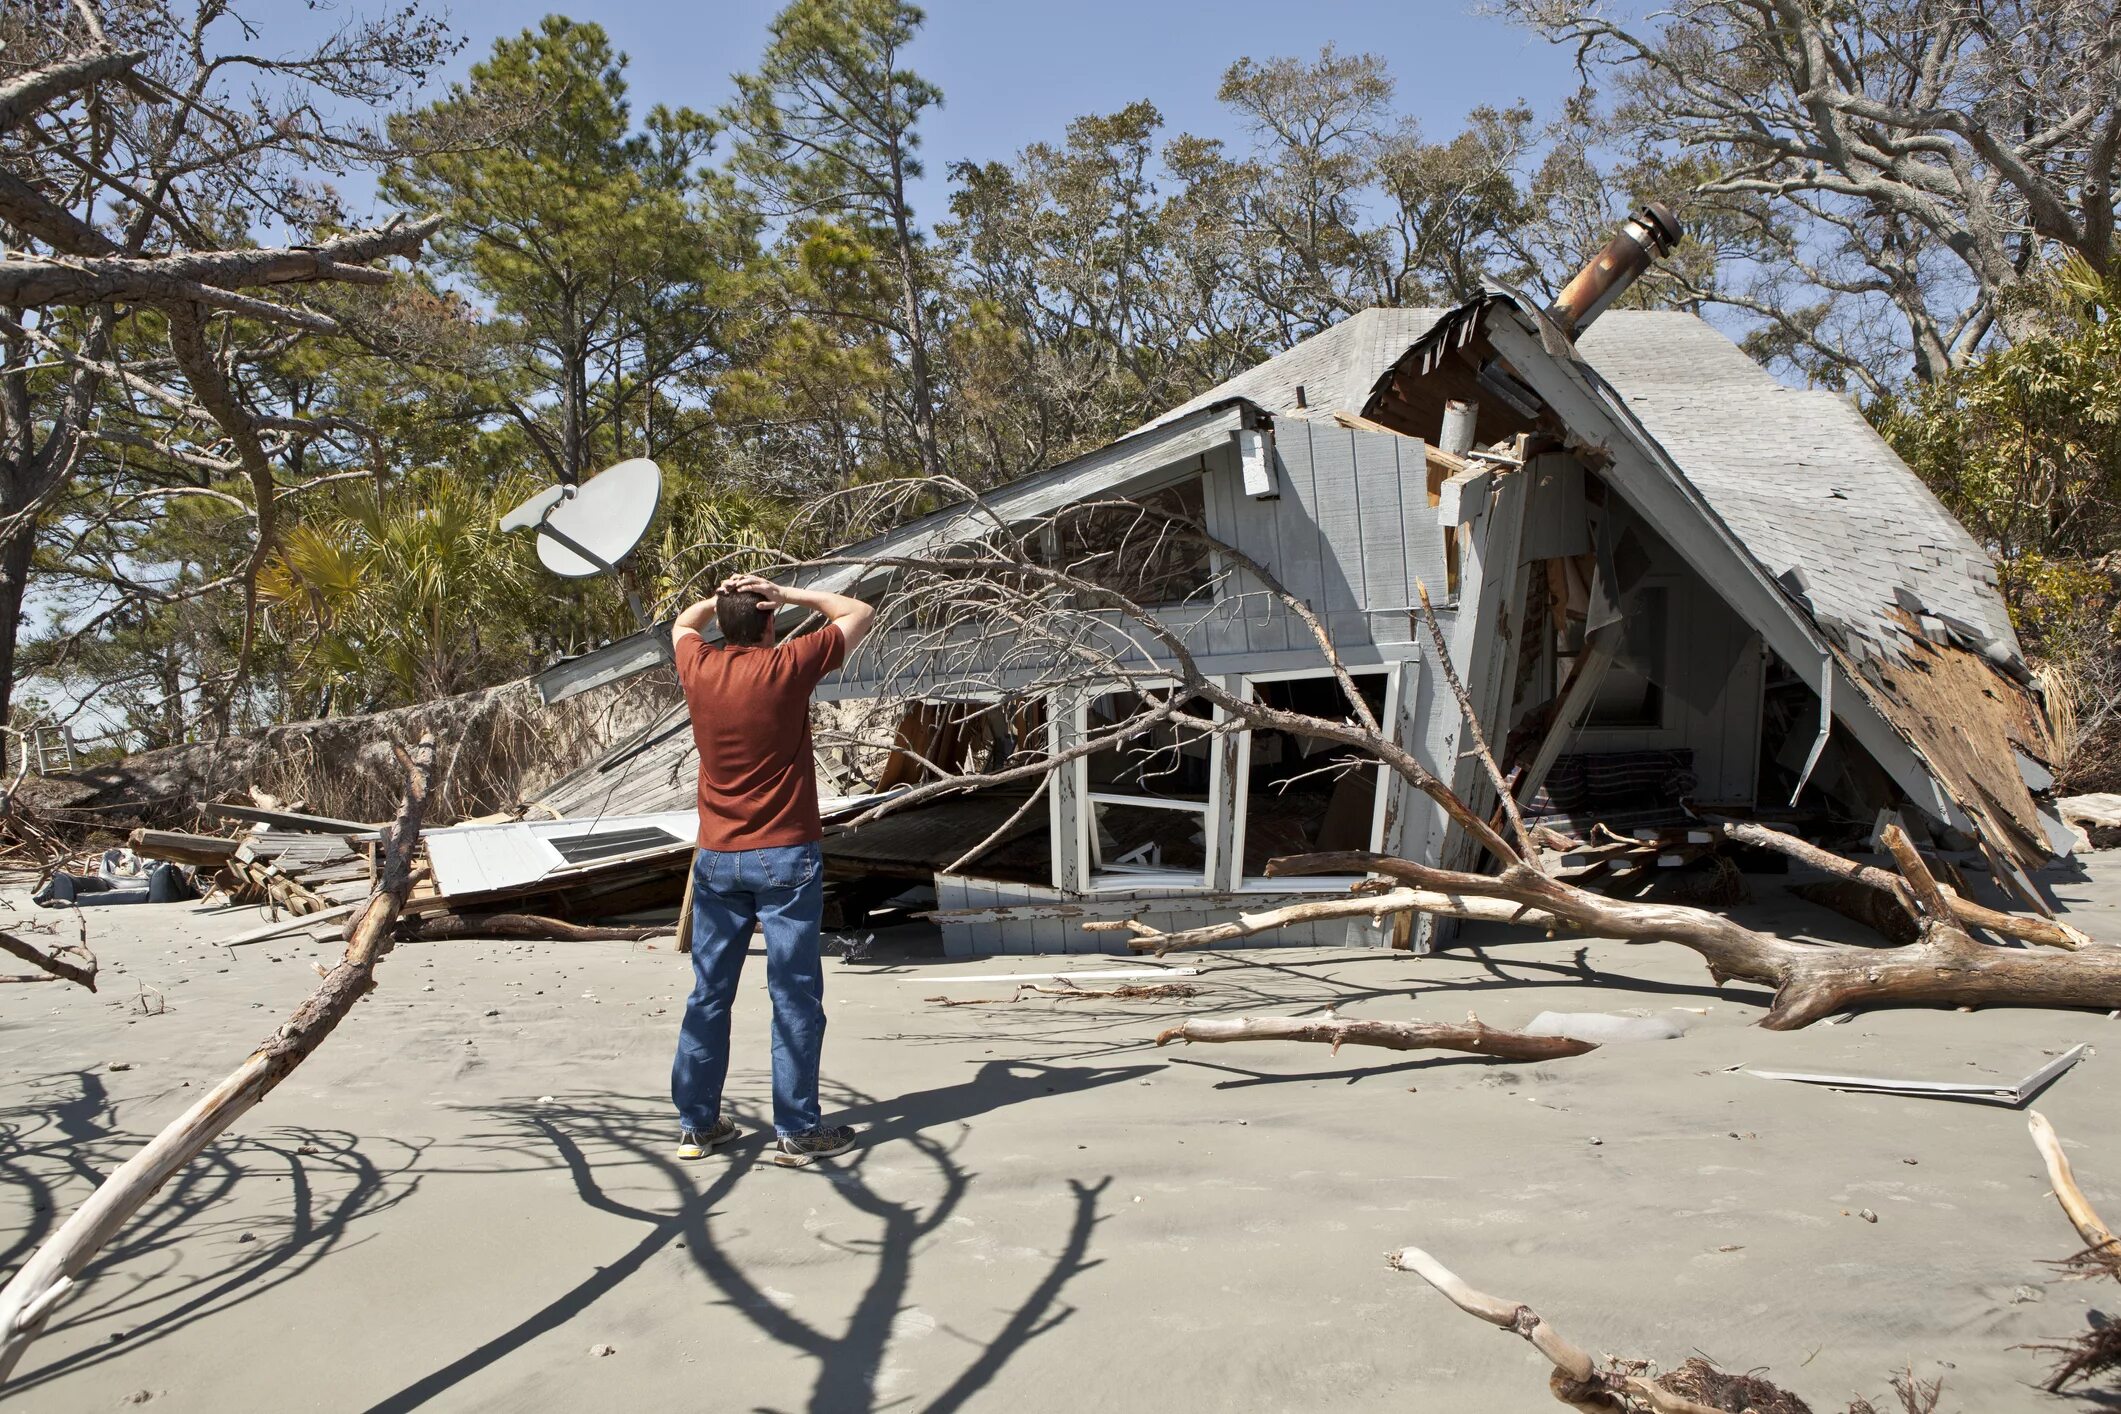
1946 968
1470 1036
28 1300
449 927
2098 1350
1579 1380
2099 1240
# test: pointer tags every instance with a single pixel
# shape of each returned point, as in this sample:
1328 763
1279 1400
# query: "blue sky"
1014 73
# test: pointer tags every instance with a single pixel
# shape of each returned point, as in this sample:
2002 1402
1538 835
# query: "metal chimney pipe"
1458 420
1641 239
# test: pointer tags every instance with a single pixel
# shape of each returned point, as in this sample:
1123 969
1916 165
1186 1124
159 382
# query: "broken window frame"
1394 674
1102 878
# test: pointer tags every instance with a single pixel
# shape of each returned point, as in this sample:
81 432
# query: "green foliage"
402 597
607 258
2024 445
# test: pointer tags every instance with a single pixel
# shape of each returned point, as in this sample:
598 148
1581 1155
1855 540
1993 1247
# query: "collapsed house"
1669 583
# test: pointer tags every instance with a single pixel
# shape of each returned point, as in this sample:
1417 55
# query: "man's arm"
850 616
694 618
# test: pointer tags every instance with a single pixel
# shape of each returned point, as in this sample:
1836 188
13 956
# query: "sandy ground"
471 1188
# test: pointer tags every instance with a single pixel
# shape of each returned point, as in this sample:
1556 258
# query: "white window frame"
1394 674
1134 878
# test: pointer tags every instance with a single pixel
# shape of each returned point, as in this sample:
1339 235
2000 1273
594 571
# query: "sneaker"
797 1150
692 1144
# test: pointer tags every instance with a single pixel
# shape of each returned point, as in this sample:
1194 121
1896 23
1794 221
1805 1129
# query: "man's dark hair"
743 616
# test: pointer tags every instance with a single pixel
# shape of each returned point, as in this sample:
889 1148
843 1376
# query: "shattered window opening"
1630 696
1301 794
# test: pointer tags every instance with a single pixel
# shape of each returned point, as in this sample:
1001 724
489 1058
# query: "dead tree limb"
52 962
1470 1036
2099 1239
1579 1380
1068 992
2097 1350
449 927
2046 932
27 1301
30 282
1529 851
1384 904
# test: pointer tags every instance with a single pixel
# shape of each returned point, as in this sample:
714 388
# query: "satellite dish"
585 530
533 510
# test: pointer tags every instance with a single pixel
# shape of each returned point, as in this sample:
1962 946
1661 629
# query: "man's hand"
768 592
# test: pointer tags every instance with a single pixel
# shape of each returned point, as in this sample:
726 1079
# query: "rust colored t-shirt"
750 711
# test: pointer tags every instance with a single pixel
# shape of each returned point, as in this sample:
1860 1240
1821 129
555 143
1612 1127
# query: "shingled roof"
1799 476
1807 484
1336 368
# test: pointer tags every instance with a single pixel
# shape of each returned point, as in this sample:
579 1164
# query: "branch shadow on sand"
608 1144
141 1289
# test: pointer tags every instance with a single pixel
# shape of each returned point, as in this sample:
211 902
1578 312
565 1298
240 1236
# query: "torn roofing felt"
1851 568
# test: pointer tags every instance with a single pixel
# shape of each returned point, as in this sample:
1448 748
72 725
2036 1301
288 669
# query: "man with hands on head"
759 863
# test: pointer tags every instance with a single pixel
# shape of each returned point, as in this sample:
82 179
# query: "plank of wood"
288 819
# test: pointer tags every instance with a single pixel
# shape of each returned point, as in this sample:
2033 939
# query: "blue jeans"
782 891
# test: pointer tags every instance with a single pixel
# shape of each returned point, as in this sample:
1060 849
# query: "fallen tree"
987 611
27 1301
1811 981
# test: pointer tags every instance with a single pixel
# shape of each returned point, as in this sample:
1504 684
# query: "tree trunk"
14 582
915 318
574 391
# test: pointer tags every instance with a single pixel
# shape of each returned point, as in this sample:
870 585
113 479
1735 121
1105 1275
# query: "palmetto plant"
401 597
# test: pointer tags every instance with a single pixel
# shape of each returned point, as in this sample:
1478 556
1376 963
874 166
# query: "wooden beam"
1599 650
288 819
206 851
